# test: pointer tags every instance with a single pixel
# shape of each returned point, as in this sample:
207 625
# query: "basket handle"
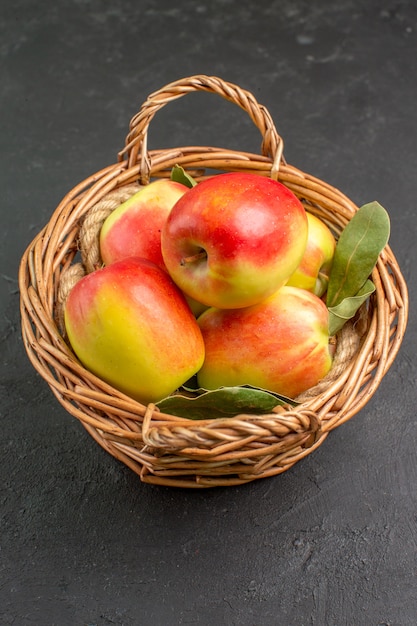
135 149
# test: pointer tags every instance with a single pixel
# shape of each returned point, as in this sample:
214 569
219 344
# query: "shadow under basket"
161 448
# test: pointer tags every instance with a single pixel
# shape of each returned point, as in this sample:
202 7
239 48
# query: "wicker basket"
161 448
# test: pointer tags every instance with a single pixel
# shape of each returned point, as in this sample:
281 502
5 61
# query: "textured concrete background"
83 542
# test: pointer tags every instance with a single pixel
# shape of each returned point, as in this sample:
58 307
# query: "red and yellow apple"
280 344
196 307
314 269
234 239
129 324
134 227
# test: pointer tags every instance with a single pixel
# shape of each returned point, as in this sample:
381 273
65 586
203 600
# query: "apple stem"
198 256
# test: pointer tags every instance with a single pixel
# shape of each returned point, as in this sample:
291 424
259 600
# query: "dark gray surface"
83 542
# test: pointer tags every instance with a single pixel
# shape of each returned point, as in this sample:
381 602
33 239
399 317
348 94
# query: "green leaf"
222 402
179 175
357 251
344 311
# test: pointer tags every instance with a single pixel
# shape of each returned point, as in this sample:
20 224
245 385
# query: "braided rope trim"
93 221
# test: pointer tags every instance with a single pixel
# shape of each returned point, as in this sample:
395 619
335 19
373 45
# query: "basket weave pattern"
165 449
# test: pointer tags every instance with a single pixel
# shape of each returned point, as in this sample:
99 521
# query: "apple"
280 344
129 324
234 239
196 307
314 269
134 227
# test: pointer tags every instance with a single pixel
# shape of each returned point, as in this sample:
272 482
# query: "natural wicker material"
164 449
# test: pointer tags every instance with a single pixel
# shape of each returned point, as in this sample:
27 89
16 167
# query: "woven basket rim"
164 449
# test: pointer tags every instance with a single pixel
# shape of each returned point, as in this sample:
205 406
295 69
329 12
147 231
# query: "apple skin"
314 269
134 227
234 239
196 307
129 324
280 344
